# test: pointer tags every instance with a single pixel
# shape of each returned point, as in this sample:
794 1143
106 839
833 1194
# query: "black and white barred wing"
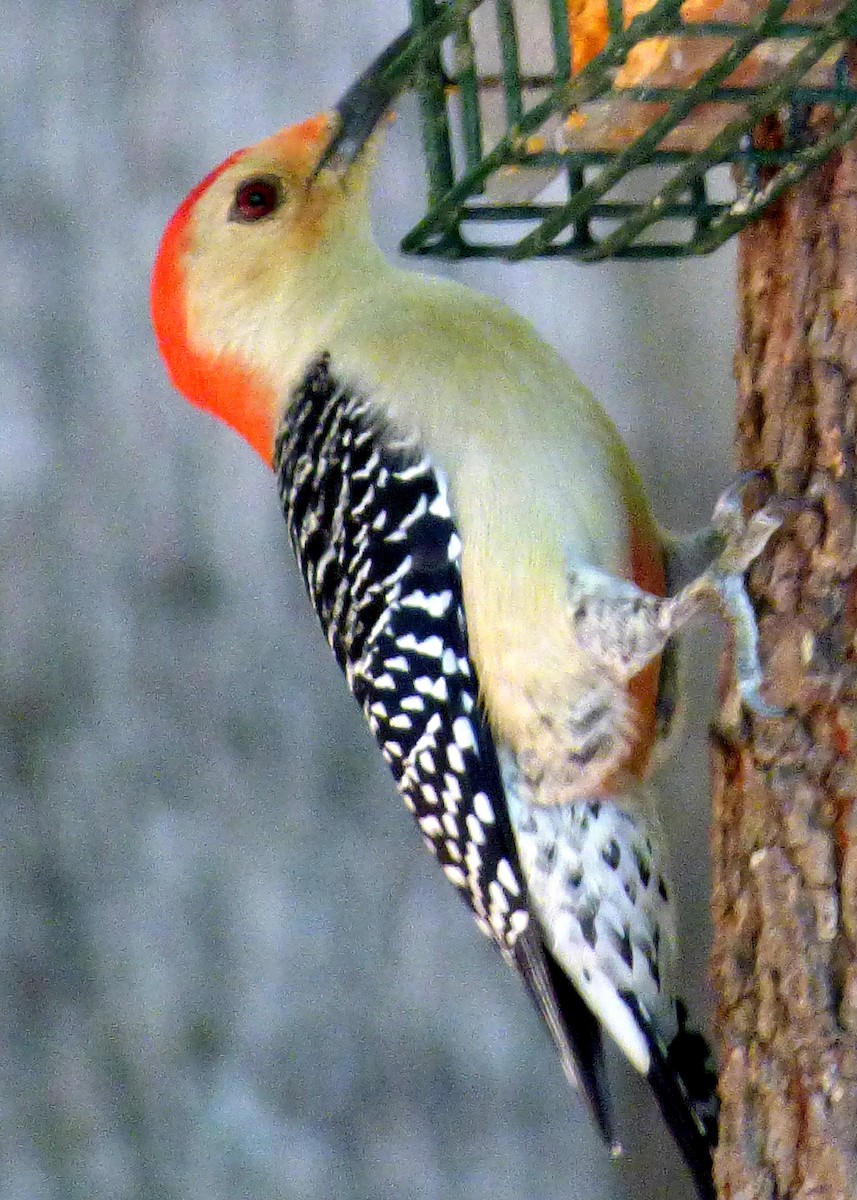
418 691
371 524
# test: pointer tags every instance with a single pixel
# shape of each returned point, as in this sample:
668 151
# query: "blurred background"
227 966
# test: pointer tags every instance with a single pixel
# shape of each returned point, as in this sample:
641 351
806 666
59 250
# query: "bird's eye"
256 198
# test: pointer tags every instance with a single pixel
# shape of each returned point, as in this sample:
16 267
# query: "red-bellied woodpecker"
486 568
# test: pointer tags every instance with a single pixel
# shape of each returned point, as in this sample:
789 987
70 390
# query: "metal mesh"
608 159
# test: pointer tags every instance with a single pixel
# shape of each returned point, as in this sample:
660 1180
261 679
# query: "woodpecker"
486 568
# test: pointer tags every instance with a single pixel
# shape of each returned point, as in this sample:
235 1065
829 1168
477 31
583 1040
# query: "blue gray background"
227 967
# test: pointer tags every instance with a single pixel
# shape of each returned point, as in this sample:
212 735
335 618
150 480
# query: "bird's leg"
623 627
685 558
689 555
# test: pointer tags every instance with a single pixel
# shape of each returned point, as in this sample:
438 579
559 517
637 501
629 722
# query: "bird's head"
256 258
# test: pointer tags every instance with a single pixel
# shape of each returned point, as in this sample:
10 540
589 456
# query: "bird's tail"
683 1077
573 1026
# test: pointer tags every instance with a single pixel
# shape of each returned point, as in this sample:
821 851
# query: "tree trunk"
785 789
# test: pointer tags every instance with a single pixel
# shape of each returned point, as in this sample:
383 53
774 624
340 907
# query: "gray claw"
736 543
739 552
728 515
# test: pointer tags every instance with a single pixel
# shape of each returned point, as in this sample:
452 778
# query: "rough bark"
785 790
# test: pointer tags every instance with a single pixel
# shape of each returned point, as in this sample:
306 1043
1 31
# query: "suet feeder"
594 129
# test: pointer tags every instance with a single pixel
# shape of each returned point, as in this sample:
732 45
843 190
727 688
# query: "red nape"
220 385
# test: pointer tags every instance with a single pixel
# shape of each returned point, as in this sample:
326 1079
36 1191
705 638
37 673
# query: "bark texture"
785 790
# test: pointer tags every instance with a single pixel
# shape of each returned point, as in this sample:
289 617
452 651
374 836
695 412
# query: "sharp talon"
741 551
742 540
728 515
761 527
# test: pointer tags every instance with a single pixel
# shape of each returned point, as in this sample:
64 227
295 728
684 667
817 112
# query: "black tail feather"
684 1080
583 1032
574 1029
682 1075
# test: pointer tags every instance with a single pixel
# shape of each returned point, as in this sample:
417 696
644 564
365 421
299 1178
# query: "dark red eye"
256 198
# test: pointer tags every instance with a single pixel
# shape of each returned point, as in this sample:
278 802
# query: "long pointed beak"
364 104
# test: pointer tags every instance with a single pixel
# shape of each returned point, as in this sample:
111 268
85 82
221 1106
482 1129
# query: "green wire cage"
534 152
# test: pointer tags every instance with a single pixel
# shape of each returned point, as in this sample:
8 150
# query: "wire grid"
638 201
